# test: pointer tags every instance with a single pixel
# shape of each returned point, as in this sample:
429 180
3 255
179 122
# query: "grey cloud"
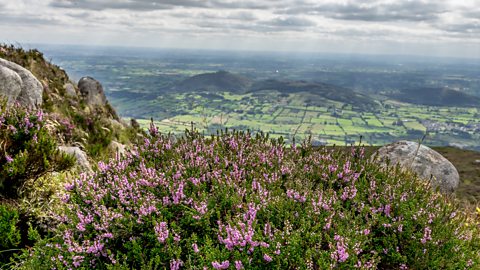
11 19
462 28
147 5
290 22
241 15
275 25
472 14
139 5
373 11
244 16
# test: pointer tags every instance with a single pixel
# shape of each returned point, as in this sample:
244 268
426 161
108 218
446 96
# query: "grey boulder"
424 161
80 155
92 92
17 84
70 90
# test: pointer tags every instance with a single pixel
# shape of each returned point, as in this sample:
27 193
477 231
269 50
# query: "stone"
14 77
424 161
70 90
92 92
80 155
118 148
10 84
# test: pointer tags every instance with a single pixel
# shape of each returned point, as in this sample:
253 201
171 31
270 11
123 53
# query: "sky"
428 27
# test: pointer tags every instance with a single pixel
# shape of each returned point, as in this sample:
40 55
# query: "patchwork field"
286 115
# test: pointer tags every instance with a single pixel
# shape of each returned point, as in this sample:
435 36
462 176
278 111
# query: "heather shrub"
9 232
242 201
28 150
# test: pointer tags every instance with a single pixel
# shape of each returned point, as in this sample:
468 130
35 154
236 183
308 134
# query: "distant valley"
332 100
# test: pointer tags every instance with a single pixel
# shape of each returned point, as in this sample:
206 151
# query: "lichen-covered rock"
80 155
92 92
70 90
118 148
424 161
10 84
18 84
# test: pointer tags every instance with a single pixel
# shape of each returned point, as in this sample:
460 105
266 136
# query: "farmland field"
333 123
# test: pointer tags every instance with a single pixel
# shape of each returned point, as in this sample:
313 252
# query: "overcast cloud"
432 27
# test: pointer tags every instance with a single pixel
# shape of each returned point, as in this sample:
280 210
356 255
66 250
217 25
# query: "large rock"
70 90
424 161
80 155
92 92
18 84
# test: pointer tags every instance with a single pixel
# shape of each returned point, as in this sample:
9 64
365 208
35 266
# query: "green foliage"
28 150
9 232
238 199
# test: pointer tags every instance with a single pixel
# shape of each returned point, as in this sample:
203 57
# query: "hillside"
434 96
234 199
327 91
314 93
94 125
218 81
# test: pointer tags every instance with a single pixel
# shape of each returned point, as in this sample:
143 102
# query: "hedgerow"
243 201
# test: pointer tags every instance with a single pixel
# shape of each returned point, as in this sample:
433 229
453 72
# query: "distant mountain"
328 91
218 81
435 96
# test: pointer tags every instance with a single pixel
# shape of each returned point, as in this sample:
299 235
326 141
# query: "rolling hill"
327 91
314 93
218 81
434 96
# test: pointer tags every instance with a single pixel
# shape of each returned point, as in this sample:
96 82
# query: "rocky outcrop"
118 148
18 84
92 92
80 155
70 90
422 160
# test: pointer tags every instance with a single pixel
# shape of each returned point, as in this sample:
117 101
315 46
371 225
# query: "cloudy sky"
428 27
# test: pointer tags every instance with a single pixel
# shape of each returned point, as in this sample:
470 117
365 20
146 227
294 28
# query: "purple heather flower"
8 158
175 264
195 248
238 265
267 258
222 265
427 235
161 231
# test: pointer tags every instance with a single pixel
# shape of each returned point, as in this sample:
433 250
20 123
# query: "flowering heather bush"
238 201
28 151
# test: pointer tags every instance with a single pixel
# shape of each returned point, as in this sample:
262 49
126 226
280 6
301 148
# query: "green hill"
433 96
218 81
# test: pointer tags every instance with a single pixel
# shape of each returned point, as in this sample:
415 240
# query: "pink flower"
176 264
267 258
161 230
238 265
195 248
8 158
427 235
222 265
